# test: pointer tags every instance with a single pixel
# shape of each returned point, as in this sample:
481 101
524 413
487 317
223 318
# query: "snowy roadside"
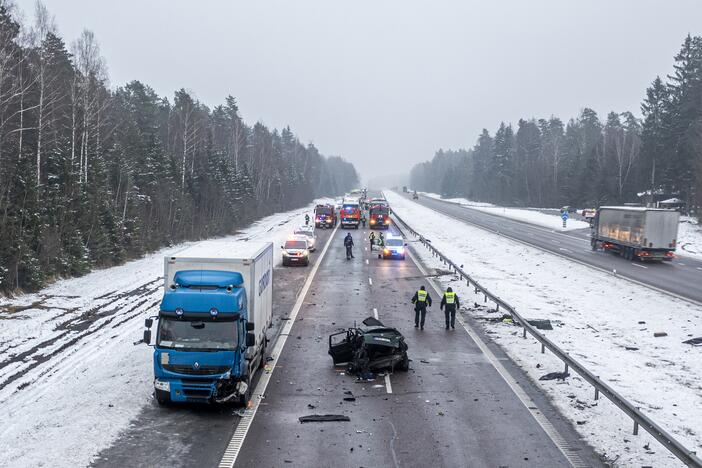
71 377
527 215
690 237
605 322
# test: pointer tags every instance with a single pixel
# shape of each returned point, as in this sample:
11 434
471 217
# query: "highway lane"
197 435
451 409
681 277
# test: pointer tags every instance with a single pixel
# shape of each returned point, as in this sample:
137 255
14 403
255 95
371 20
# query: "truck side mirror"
147 337
249 326
148 322
250 340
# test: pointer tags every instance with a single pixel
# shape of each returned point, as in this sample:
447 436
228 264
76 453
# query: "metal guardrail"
684 454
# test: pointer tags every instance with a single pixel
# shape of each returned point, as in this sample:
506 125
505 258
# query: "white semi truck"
636 232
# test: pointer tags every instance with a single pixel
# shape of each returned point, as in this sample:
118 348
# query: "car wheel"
404 364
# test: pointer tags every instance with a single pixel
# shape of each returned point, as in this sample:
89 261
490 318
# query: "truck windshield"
198 334
323 211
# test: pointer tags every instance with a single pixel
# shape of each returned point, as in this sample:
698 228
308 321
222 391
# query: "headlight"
386 251
285 253
162 385
305 253
400 250
372 221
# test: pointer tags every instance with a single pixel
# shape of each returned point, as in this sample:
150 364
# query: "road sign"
564 216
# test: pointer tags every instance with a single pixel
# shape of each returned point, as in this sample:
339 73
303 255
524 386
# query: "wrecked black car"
369 350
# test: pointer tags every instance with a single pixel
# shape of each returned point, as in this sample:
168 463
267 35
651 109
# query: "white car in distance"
308 233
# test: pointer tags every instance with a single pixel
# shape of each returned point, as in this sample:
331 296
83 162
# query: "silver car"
308 233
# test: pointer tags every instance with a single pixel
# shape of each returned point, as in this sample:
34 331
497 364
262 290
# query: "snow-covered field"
690 237
71 376
606 323
532 215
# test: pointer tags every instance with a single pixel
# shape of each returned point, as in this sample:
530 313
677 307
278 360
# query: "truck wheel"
593 244
262 364
162 398
244 399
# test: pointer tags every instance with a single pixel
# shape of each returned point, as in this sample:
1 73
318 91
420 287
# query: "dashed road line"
375 313
388 385
564 250
367 262
370 281
640 266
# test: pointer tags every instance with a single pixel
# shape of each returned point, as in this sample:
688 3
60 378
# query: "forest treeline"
91 176
587 162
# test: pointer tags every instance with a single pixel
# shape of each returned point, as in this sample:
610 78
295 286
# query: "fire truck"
324 216
379 217
350 213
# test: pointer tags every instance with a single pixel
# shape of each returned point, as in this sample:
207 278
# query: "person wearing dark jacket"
421 301
348 243
449 304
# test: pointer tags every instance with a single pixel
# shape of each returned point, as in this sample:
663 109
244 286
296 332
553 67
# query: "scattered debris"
659 334
694 341
311 406
350 398
590 326
631 348
324 418
555 376
541 324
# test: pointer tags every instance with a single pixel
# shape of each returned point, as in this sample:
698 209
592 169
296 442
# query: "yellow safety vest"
421 296
450 297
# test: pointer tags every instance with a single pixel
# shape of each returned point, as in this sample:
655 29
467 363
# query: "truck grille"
189 370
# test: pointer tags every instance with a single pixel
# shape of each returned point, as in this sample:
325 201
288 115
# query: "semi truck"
212 322
636 232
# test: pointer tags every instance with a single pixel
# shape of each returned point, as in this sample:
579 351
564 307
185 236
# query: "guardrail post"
497 309
485 297
566 368
636 427
524 332
597 392
543 350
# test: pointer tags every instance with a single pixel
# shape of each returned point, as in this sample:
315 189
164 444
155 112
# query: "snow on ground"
527 215
690 237
71 377
606 323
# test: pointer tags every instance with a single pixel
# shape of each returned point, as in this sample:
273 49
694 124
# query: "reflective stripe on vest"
450 297
421 296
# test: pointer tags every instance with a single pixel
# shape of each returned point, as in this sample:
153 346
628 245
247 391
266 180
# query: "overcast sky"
386 83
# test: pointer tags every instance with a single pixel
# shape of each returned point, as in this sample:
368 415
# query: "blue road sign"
564 216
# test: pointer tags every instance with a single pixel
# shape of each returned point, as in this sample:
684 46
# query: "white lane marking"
370 281
375 313
555 241
388 385
367 262
681 264
640 266
365 248
564 250
699 268
232 452
526 400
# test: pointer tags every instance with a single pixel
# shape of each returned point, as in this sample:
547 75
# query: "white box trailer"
254 260
636 232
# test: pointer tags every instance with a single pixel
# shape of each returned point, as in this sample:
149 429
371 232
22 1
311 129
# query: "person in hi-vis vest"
421 301
449 304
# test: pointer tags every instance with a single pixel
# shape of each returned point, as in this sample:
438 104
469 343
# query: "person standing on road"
307 219
381 240
449 304
371 238
363 219
421 301
348 243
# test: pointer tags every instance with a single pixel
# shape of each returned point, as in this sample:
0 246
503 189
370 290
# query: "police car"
394 247
308 233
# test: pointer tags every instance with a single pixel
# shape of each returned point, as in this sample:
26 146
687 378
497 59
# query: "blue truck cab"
205 350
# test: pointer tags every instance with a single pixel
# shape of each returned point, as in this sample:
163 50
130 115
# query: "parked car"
308 233
296 251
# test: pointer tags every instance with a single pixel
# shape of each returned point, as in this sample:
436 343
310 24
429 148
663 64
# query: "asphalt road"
451 409
197 435
681 277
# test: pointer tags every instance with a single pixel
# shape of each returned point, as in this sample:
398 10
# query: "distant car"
568 209
415 196
394 247
308 233
296 251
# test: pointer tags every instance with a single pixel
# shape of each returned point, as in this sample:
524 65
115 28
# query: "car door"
341 346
